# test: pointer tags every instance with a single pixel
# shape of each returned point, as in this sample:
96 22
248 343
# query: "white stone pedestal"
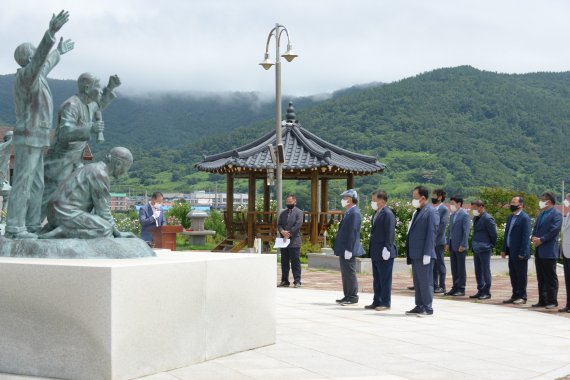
123 319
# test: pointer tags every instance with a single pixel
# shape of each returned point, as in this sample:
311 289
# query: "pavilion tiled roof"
303 151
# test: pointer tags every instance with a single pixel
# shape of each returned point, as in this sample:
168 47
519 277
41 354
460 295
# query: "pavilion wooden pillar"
324 195
350 181
314 207
230 205
266 202
251 209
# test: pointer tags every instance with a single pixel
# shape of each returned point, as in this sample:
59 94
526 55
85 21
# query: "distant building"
216 201
119 202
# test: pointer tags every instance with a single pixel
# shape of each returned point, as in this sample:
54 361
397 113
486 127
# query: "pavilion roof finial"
291 117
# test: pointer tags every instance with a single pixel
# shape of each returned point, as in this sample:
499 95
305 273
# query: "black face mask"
514 208
290 207
434 200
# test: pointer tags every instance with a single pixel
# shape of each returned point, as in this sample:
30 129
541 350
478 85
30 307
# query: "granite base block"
123 319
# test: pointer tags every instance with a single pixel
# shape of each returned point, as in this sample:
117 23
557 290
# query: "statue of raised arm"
5 153
34 113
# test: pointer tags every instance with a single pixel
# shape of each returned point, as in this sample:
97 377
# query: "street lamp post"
289 55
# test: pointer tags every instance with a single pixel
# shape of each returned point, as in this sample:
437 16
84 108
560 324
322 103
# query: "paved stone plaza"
317 339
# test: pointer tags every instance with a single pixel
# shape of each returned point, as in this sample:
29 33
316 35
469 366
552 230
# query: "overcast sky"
216 45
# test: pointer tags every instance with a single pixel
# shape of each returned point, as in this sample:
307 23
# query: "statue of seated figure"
80 207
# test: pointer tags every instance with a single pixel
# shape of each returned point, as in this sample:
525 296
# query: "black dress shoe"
475 296
411 288
415 311
449 293
426 313
439 290
297 285
510 300
283 284
371 306
485 297
551 306
564 310
519 301
350 301
538 305
457 293
341 300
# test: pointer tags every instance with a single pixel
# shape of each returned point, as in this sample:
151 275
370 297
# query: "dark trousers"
458 275
382 275
293 255
567 279
349 280
439 270
482 262
547 280
423 283
518 270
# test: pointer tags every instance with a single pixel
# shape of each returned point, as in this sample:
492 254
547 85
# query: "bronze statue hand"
114 82
58 21
65 46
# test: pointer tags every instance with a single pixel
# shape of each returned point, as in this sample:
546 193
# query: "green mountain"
457 128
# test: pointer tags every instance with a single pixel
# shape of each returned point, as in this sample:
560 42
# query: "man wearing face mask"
420 250
347 246
439 271
457 245
482 244
151 217
382 251
545 239
566 252
517 247
289 226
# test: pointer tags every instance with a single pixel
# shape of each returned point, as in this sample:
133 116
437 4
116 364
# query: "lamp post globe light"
289 55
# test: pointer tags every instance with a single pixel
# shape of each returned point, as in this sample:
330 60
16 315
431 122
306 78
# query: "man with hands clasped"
151 216
347 246
382 250
420 251
457 245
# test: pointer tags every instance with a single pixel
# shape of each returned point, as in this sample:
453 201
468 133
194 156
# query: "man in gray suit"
439 271
457 245
289 226
566 252
420 250
347 246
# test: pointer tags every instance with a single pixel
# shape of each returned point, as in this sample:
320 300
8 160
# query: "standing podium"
165 237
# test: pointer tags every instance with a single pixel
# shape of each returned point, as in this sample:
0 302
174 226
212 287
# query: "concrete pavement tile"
207 371
160 376
280 374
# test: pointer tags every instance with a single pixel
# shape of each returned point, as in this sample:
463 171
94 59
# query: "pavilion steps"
231 245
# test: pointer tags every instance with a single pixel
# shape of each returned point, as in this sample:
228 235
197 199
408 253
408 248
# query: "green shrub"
180 208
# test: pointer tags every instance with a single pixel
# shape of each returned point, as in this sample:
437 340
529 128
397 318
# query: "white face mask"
566 203
344 202
475 212
374 205
416 203
453 208
542 204
157 206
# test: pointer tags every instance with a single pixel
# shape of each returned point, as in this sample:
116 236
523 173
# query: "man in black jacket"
289 226
482 244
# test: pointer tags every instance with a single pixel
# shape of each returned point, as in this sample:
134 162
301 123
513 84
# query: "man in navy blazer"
439 270
382 251
517 246
347 246
545 239
482 244
151 216
457 245
420 250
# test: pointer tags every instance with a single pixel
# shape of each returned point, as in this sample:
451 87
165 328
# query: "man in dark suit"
566 252
517 247
382 251
420 250
439 271
151 216
347 246
545 239
482 244
289 226
457 245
